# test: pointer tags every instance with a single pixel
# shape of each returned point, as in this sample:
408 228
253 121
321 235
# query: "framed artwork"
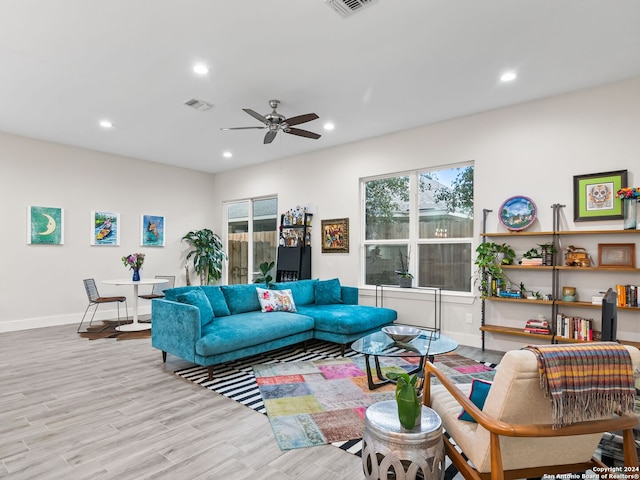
105 228
335 235
621 255
152 231
45 226
594 196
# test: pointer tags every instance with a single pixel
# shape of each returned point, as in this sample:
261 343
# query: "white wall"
42 284
531 149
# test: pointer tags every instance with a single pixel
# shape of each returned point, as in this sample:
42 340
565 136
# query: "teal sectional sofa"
209 325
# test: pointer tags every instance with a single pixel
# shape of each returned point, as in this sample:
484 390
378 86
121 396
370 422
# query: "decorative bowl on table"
401 333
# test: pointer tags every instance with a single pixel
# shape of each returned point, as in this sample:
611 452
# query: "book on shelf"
531 261
576 328
537 326
537 331
627 295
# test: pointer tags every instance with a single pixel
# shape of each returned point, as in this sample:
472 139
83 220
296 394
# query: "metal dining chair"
97 300
159 288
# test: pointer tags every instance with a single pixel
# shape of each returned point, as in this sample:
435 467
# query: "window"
420 222
254 220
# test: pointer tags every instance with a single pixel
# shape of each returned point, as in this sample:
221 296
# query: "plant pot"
405 282
630 213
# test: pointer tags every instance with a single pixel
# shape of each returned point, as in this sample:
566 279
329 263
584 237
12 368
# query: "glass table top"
428 343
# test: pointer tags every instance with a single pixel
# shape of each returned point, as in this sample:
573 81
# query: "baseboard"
74 318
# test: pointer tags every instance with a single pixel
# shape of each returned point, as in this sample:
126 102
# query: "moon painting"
45 225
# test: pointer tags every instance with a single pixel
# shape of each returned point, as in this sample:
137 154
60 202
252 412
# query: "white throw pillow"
276 300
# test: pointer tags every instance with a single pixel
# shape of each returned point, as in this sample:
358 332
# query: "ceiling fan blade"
256 115
271 134
301 119
302 133
243 128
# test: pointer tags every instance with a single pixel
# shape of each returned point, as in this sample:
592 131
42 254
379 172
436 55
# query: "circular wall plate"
518 213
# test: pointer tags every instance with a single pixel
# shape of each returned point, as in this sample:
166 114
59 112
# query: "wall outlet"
469 318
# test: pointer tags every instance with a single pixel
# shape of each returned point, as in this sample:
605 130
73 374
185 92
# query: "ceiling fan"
274 122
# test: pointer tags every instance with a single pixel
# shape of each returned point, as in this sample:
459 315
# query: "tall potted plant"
208 254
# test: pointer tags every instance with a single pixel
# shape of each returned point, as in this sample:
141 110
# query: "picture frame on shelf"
45 225
152 231
335 235
617 255
594 196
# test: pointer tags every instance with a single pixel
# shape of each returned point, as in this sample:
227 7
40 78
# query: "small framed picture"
45 225
152 231
617 255
594 196
105 228
335 235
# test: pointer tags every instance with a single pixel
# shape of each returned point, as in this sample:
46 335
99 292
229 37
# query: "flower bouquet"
134 262
628 192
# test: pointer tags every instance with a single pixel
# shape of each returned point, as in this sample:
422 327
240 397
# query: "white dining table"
136 325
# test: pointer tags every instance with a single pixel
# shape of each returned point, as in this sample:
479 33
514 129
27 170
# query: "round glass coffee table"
378 344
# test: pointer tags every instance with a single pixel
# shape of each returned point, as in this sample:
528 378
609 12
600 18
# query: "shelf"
559 232
598 269
517 332
516 234
528 267
592 305
520 300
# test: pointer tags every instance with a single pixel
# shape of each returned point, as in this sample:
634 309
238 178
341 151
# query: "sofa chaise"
209 325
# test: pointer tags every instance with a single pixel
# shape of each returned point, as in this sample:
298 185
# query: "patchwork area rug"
107 329
262 383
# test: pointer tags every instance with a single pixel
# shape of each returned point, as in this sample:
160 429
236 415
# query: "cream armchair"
513 437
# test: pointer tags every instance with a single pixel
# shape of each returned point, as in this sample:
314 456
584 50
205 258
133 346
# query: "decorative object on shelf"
630 197
490 259
335 235
134 261
568 294
405 279
45 225
208 255
409 406
576 257
401 333
105 228
617 255
295 228
594 196
518 213
152 231
265 277
547 251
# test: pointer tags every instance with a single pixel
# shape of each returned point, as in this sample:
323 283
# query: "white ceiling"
66 64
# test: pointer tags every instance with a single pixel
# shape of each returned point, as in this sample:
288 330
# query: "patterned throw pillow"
276 300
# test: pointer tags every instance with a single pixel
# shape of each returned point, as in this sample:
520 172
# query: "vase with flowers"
629 196
134 261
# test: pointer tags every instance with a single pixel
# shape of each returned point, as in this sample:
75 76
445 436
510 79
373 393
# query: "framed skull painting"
594 196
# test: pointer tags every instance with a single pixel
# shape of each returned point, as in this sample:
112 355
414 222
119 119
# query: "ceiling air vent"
198 104
348 7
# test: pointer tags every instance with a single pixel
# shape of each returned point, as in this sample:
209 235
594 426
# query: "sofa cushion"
228 334
276 300
327 292
241 298
197 298
303 290
348 319
217 300
478 395
172 293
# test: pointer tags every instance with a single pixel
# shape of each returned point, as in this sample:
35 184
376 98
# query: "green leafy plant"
490 259
532 253
409 407
265 277
404 266
208 254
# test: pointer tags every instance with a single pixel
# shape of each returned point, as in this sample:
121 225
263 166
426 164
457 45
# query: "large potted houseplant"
208 254
490 259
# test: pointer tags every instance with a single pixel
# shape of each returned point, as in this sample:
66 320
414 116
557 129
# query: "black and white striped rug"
236 380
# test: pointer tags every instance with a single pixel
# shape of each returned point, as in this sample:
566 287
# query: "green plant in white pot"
208 254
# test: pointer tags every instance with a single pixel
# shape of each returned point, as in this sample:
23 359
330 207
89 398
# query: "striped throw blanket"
585 381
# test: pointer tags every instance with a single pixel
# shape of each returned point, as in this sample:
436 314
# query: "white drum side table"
393 452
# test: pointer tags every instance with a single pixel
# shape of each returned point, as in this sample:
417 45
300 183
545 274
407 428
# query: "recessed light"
201 69
329 126
227 155
106 124
508 77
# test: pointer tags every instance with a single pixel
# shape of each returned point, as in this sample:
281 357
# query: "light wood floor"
71 408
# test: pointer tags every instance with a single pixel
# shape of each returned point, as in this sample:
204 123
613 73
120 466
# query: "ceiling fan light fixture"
329 126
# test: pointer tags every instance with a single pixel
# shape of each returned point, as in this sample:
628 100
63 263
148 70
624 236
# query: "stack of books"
627 295
531 261
577 328
539 327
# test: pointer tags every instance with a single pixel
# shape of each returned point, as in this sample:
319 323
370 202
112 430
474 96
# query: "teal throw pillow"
478 395
197 298
217 300
327 292
302 290
241 298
